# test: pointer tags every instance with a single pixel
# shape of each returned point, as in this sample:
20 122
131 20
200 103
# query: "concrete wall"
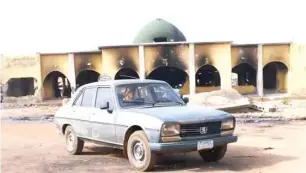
222 56
88 61
244 54
52 63
297 75
175 56
114 59
21 66
278 53
217 55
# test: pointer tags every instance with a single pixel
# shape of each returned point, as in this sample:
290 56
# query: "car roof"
121 82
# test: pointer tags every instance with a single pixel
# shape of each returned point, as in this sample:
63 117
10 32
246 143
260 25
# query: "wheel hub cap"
138 151
70 141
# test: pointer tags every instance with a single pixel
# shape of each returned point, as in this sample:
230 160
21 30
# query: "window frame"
93 104
80 94
108 87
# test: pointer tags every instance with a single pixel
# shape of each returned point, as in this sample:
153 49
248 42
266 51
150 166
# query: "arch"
159 30
246 74
175 77
126 73
86 76
208 76
52 85
275 76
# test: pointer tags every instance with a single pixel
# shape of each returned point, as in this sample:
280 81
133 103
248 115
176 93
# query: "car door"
103 120
81 110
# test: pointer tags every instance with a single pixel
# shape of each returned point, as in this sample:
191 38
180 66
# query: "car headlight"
228 124
170 129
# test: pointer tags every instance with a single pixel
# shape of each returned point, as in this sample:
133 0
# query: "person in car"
128 95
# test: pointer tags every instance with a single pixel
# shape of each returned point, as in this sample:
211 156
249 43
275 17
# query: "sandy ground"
37 148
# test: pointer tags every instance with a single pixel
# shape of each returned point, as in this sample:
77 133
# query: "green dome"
159 31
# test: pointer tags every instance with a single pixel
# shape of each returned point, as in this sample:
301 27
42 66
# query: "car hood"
181 113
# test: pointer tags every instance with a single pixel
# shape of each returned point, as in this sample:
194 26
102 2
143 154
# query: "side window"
103 95
88 97
78 100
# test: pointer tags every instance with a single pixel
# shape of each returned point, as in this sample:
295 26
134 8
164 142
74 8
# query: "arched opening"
246 78
126 73
275 77
87 76
18 87
175 77
56 85
207 79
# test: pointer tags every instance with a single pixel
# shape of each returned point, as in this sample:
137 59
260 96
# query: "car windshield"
147 94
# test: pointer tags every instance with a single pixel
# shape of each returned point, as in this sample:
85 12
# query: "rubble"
222 99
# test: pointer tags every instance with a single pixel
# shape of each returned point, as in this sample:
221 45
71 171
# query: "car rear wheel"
139 153
213 155
74 145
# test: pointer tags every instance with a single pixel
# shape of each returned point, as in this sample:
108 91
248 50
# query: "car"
144 118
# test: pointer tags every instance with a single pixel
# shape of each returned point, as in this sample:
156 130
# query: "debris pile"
222 99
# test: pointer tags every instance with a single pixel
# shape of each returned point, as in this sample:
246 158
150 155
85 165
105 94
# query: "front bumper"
186 146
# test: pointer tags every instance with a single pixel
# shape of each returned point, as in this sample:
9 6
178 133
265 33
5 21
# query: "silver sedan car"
144 118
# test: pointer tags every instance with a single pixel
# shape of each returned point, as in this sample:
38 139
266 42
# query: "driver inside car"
128 95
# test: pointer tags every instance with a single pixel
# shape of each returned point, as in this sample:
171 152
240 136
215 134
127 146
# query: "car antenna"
129 76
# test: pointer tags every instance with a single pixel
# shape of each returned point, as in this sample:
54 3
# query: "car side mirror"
107 107
186 100
104 105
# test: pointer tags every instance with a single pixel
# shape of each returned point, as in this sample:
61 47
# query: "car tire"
213 155
74 145
139 153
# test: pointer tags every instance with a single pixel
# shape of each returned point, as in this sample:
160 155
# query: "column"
142 73
71 76
192 72
259 85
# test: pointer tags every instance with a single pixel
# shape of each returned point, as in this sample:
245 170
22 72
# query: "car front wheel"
139 153
74 145
213 155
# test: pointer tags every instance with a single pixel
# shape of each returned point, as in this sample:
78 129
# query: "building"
160 51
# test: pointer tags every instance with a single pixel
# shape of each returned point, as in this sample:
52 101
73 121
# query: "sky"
70 25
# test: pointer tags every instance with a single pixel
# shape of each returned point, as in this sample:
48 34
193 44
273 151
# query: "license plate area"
206 144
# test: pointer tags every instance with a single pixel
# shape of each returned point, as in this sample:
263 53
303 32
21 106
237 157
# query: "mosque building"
161 51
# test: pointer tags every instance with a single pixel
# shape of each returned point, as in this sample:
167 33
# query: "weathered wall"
88 61
297 74
217 55
50 63
21 66
278 53
114 59
244 54
175 56
54 62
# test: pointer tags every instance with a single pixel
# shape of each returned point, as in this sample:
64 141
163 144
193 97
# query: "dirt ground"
261 148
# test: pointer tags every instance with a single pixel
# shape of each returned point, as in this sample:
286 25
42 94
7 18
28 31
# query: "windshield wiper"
138 101
170 101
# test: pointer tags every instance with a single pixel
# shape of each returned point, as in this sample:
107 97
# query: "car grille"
188 130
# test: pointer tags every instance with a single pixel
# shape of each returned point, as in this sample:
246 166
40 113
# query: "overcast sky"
30 26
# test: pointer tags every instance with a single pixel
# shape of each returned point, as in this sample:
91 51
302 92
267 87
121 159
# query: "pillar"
71 76
192 72
259 85
142 73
